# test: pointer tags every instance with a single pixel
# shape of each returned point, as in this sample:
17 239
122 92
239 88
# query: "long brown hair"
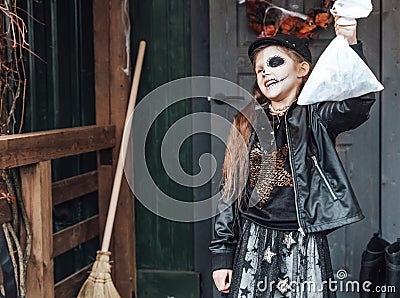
236 162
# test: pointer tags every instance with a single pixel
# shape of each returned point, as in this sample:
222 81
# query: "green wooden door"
165 250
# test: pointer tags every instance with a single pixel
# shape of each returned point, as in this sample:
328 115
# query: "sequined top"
270 183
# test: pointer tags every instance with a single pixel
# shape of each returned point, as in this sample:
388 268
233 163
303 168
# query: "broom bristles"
99 283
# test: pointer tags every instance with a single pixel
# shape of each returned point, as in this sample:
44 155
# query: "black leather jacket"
324 197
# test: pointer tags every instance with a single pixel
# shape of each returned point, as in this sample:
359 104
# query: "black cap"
299 45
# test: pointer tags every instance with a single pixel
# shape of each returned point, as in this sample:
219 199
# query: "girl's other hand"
222 279
348 31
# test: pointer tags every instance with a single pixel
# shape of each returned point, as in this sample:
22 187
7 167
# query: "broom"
99 283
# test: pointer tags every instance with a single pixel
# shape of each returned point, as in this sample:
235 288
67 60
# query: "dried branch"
22 269
10 189
11 252
12 70
24 215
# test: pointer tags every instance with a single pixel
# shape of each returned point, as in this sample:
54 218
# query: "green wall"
60 94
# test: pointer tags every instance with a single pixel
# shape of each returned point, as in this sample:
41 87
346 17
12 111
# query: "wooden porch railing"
33 152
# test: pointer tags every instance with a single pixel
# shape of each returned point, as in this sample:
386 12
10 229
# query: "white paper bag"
339 74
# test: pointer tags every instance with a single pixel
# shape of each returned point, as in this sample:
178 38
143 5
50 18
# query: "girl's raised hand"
222 279
348 31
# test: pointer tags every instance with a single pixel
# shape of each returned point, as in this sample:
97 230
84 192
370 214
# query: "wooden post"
101 29
112 87
36 191
123 248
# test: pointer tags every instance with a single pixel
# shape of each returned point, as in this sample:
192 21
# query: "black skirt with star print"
277 263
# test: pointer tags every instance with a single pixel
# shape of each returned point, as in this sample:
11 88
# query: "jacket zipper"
294 182
314 158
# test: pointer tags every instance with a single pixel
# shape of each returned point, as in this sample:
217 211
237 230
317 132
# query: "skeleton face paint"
275 61
277 74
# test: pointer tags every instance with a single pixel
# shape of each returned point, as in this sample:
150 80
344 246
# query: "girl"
278 246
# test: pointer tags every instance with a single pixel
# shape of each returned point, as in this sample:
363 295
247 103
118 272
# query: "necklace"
273 126
278 112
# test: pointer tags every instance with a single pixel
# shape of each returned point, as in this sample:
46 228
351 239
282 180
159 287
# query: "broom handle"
122 151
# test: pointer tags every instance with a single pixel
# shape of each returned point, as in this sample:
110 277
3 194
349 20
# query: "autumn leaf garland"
267 19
